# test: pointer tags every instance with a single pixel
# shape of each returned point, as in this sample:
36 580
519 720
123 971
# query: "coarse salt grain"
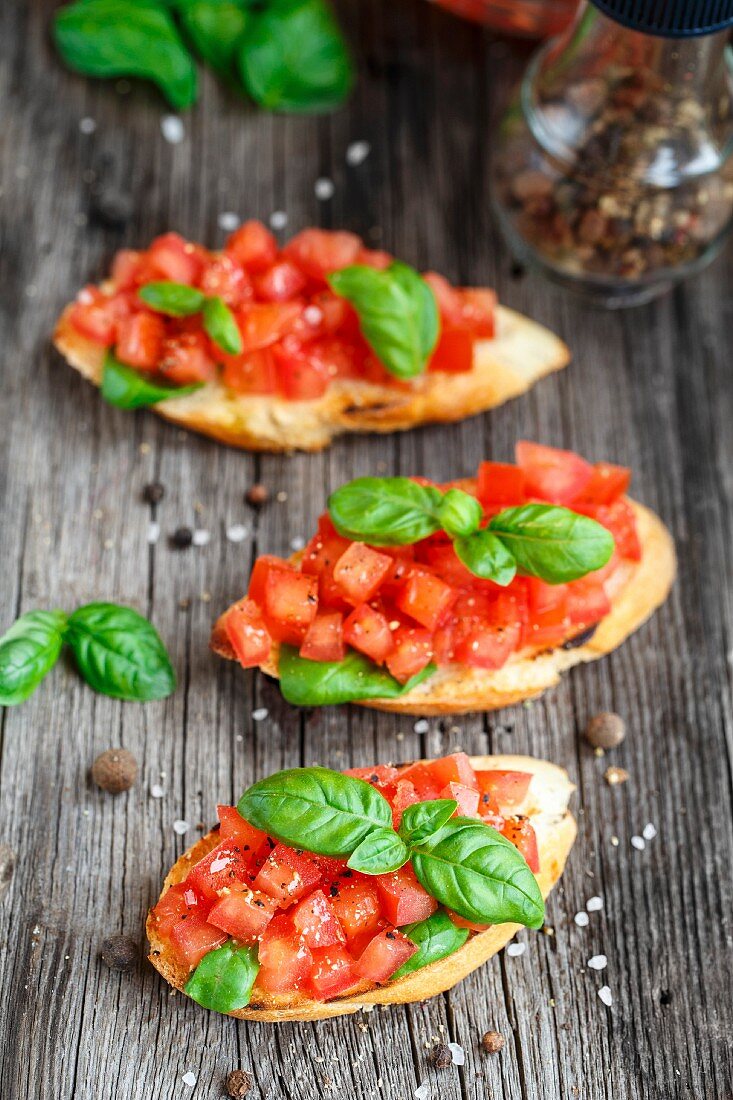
594 904
180 827
297 543
157 791
259 714
153 532
237 532
171 127
228 220
581 919
201 538
422 1091
421 726
358 152
638 842
312 315
278 219
598 962
324 188
458 1054
515 949
219 864
606 995
189 1079
649 831
87 125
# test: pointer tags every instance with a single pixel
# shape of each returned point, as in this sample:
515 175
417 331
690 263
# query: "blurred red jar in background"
527 18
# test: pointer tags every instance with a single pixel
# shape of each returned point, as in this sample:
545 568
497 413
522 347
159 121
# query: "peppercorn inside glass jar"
613 171
524 18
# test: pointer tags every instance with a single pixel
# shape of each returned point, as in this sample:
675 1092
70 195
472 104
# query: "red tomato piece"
383 955
359 572
253 246
279 283
425 598
367 630
290 605
400 795
97 315
247 633
422 780
374 257
333 972
186 359
318 252
172 257
314 918
501 483
224 867
194 937
448 298
322 553
453 352
463 923
548 623
619 519
379 776
301 376
441 557
555 475
324 639
507 788
455 768
478 311
287 875
413 650
243 913
262 324
480 643
403 898
356 906
466 797
587 600
522 835
140 340
260 572
178 903
223 277
234 827
285 959
127 268
607 483
255 372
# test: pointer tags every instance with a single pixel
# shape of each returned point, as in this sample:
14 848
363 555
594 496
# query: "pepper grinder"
612 171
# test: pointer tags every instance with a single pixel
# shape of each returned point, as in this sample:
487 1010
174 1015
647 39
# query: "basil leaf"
28 651
398 314
116 38
129 389
553 543
174 299
422 819
486 556
215 27
220 325
316 808
224 978
119 653
435 937
479 874
460 514
325 683
380 852
292 57
385 511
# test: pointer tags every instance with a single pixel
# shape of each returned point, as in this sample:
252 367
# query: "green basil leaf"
129 389
436 938
460 514
385 511
326 683
486 556
292 57
110 38
174 299
215 27
316 808
224 978
398 314
119 653
28 651
472 869
380 852
221 327
422 819
553 543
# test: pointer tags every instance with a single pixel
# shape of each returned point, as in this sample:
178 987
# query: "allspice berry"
605 730
120 953
492 1042
153 493
257 495
238 1083
440 1056
115 770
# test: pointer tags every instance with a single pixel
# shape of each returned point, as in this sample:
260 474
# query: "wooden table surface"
649 388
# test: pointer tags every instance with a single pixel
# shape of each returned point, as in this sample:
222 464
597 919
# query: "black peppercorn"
440 1056
153 493
181 538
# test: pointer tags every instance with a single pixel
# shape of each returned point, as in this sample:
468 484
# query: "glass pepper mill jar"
612 169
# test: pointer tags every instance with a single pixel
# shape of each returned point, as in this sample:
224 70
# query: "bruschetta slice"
274 349
429 600
323 892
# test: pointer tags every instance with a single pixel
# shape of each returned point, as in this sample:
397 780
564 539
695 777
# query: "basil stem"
224 978
28 651
436 938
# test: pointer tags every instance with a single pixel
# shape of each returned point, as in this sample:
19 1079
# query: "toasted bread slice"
638 590
520 354
547 806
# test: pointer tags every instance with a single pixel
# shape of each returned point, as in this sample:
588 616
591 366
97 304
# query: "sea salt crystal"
297 543
312 315
638 842
358 152
422 1091
237 532
219 864
157 791
649 831
228 220
260 714
421 726
594 904
515 949
278 219
581 919
606 995
87 125
201 538
180 827
458 1054
153 533
172 129
189 1079
598 962
324 188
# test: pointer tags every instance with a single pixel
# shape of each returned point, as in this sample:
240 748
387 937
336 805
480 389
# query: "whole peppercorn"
119 953
440 1056
153 493
238 1083
115 770
605 731
492 1042
181 538
257 495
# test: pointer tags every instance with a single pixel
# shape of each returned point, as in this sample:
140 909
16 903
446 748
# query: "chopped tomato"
279 283
262 324
507 788
404 900
322 553
480 643
425 598
97 315
324 639
374 257
316 921
255 372
194 937
359 572
333 972
285 959
466 797
247 633
128 269
619 519
522 835
173 258
234 827
500 483
180 902
318 252
367 630
384 954
301 375
356 906
287 875
456 768
290 604
253 246
442 558
379 776
243 913
225 278
186 359
548 622
413 650
555 475
448 299
224 867
478 311
607 483
140 340
400 795
587 601
422 779
261 571
474 926
453 352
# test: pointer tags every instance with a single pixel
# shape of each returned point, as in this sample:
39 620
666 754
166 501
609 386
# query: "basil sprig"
117 651
308 683
537 540
181 300
436 938
463 863
223 979
126 388
398 314
220 325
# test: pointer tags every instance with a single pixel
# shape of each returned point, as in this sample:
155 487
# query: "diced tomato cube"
422 779
356 906
324 639
548 623
489 811
555 475
619 519
243 913
173 258
448 298
322 553
455 768
127 267
466 797
413 650
301 376
507 788
333 972
441 557
454 352
478 311
318 252
287 875
425 598
140 340
262 324
285 959
186 358
607 483
253 246
384 954
481 643
501 483
522 835
404 900
194 937
545 597
367 630
97 315
587 600
234 827
374 257
279 283
359 572
178 903
290 605
225 278
260 572
315 919
379 776
247 633
400 795
225 866
253 373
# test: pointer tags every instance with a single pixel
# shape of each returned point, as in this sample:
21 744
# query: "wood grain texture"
650 388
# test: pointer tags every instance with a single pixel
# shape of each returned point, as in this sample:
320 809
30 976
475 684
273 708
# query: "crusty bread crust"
521 353
639 589
546 804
